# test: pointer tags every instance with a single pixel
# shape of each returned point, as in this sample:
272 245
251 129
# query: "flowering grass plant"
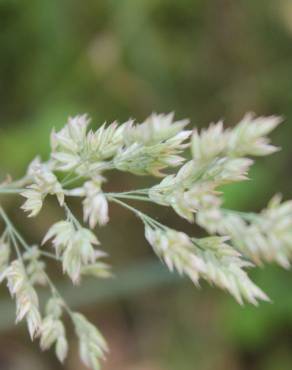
190 168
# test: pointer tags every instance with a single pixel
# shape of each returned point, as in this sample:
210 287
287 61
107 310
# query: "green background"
115 59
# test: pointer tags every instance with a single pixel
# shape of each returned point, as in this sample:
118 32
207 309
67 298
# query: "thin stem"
56 293
70 181
11 228
145 218
130 197
6 190
71 217
15 245
5 218
49 255
138 191
151 221
5 233
125 205
19 237
13 233
67 177
18 183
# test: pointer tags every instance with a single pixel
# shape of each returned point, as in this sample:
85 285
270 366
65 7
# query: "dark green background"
115 59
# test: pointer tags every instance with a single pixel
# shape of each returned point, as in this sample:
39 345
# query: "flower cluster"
142 149
219 158
75 246
35 267
77 166
263 237
95 205
27 303
52 330
73 148
152 146
44 182
209 258
92 346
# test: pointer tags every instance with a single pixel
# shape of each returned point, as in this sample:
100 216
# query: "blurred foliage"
118 59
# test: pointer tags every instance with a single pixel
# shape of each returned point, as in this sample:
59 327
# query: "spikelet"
95 205
27 304
52 330
76 247
209 258
92 345
44 182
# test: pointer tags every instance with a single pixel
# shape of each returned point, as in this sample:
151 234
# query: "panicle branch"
191 184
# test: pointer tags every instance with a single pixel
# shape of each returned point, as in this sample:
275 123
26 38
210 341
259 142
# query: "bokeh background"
115 59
